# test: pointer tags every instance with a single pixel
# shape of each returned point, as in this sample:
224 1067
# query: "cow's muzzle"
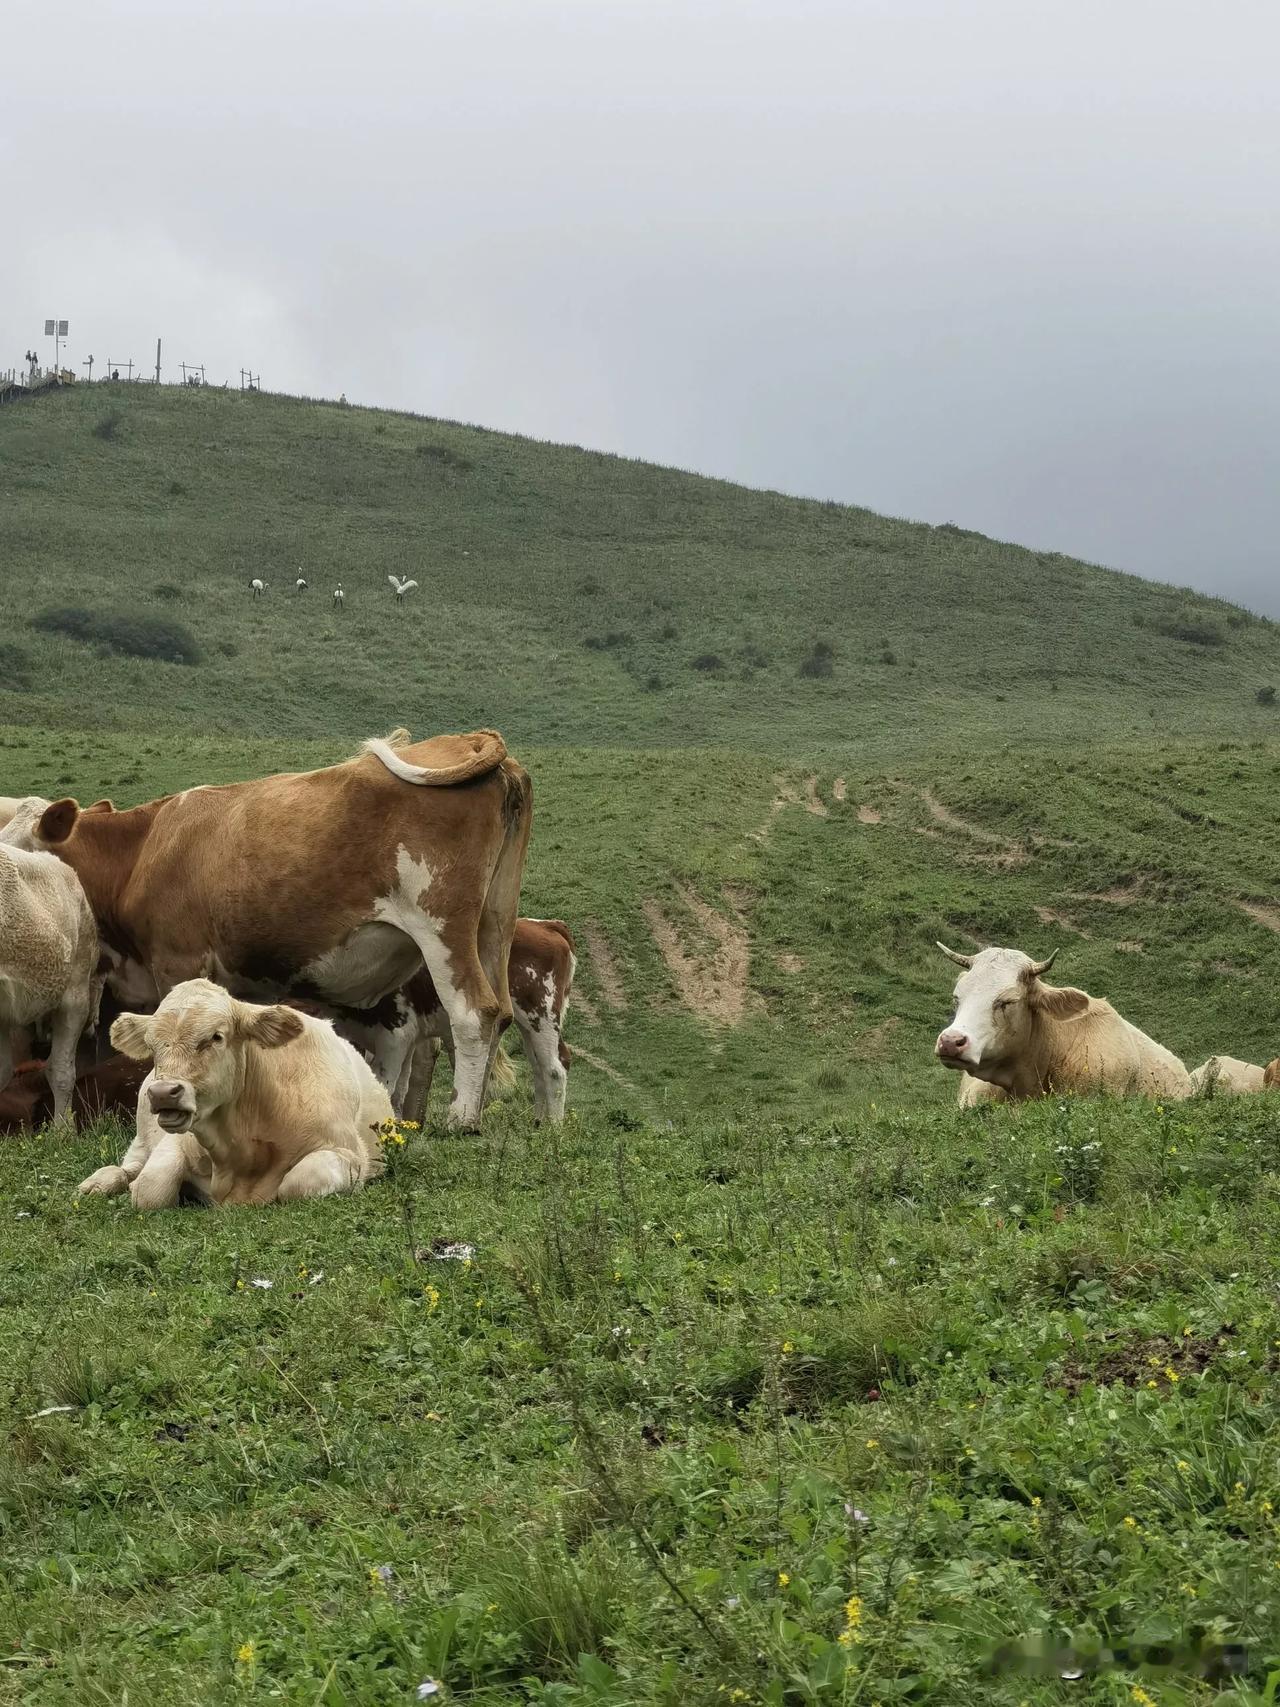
952 1047
173 1103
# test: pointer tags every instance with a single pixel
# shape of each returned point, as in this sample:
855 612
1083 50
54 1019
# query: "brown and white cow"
244 1104
1271 1075
540 974
1224 1076
1024 1038
338 884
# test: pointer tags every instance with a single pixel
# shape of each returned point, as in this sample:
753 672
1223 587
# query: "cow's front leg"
422 1070
159 1185
6 1058
324 1173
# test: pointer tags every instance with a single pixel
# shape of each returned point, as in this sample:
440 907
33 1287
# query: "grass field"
778 748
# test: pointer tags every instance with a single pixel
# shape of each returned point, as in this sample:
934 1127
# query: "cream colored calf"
276 1104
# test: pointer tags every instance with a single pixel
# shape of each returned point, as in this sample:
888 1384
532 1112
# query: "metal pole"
157 361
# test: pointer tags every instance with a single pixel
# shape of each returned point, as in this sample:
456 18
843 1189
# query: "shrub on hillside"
15 666
135 635
166 590
105 426
1265 696
709 662
446 458
820 660
1195 630
607 642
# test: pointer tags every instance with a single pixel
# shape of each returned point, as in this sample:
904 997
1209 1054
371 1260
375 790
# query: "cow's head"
197 1039
21 819
999 997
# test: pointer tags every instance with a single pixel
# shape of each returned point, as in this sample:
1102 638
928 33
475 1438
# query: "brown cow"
336 884
1271 1077
111 1087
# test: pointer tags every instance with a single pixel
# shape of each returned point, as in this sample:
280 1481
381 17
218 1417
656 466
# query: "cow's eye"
216 1038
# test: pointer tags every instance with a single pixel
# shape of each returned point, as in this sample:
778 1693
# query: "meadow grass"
705 1400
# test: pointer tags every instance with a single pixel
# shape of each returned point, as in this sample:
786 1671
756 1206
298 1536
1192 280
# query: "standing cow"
1014 1037
336 884
48 964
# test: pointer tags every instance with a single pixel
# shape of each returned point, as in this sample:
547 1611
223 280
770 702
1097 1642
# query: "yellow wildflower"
1187 1588
872 1444
1139 1694
1153 1383
434 1417
1035 1502
617 1274
1186 1332
787 1348
1131 1523
783 1579
432 1296
410 1125
1171 1373
492 1606
244 1653
1183 1466
1266 1508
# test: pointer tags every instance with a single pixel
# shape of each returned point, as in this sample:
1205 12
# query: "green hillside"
1010 745
773 1381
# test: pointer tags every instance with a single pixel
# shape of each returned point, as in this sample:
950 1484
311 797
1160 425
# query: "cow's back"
47 937
1103 1052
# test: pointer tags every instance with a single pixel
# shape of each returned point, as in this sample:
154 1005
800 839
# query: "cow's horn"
1040 967
960 959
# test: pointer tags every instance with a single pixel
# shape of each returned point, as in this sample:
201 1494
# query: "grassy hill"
774 1380
757 854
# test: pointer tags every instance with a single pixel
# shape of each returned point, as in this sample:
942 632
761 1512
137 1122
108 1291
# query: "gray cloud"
1013 265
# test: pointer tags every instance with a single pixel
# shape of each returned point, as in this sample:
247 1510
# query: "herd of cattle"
285 958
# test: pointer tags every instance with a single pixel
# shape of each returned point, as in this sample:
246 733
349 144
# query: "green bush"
1265 696
1195 630
105 426
819 660
135 635
14 666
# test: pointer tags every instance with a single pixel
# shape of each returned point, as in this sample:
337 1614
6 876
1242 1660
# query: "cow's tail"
502 1075
488 750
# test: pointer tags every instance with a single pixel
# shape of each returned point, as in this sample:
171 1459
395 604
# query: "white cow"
48 961
1224 1076
277 1104
1014 1037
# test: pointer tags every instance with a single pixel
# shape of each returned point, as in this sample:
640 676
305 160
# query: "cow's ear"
58 821
271 1026
129 1036
101 806
1064 1003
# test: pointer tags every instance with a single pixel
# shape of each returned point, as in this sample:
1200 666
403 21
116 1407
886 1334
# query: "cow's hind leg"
323 1173
472 1010
68 1024
540 1034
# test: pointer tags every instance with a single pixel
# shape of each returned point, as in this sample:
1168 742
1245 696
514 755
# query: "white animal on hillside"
401 587
300 584
1224 1076
257 587
48 962
278 1104
1016 1037
339 597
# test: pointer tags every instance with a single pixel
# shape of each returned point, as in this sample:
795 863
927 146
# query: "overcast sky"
1009 263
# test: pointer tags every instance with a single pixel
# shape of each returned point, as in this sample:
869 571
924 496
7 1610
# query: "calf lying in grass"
244 1104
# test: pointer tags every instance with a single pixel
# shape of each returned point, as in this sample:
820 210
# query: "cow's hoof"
107 1182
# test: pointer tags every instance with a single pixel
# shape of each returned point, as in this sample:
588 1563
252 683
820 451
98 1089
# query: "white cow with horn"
1014 1036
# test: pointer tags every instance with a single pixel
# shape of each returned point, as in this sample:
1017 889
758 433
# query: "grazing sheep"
257 587
300 585
401 587
339 597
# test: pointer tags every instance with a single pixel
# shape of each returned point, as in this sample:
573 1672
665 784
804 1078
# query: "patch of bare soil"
786 796
1261 914
604 966
840 789
1135 1361
1047 916
1130 947
584 1006
1120 894
813 801
790 963
868 815
713 986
